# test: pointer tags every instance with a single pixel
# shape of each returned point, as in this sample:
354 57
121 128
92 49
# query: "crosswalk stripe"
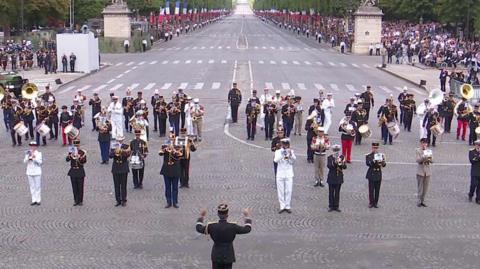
153 62
134 86
273 62
165 62
212 47
116 87
351 88
281 48
334 87
199 61
319 87
301 86
307 63
135 67
343 64
216 85
176 62
141 63
202 48
260 62
183 85
194 48
130 63
211 61
366 65
319 63
110 81
219 47
101 87
285 86
119 76
228 47
198 86
272 48
330 63
284 62
269 85
264 47
186 48
166 86
355 65
127 71
67 89
417 91
118 64
224 61
149 86
387 90
400 89
188 61
296 62
255 47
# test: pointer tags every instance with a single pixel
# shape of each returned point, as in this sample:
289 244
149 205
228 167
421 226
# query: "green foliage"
88 9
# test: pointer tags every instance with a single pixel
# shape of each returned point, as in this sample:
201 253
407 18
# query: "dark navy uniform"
185 162
474 157
335 181
223 233
234 98
374 177
77 174
120 172
139 148
96 104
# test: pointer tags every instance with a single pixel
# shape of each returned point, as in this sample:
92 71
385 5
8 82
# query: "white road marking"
67 89
199 61
224 61
319 87
351 88
188 61
307 63
135 67
165 62
251 74
285 86
119 76
134 86
387 90
273 62
202 48
198 86
330 63
280 48
228 47
269 85
355 65
319 63
343 64
255 47
141 63
212 47
301 86
216 85
296 62
116 87
211 61
264 47
110 81
400 89
219 47
284 62
153 62
186 48
101 87
183 85
166 86
149 86
127 71
176 62
334 87
130 63
119 64
272 48
194 48
261 62
366 65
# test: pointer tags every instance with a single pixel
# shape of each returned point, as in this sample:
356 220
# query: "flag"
152 18
177 7
185 4
167 7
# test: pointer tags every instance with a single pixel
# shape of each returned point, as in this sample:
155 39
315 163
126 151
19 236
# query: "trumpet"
382 120
119 151
340 163
30 154
174 152
427 156
287 154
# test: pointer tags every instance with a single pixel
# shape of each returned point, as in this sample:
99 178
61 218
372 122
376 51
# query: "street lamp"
72 14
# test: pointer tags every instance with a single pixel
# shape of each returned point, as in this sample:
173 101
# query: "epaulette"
206 227
233 222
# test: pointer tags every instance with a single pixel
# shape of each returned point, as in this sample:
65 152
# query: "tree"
8 9
88 9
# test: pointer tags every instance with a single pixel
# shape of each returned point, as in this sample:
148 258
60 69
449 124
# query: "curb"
80 77
403 78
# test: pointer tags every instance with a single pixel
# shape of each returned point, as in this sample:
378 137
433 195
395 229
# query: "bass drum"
71 131
437 130
365 131
393 129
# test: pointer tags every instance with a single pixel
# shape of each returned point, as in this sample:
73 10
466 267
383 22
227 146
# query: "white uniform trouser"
35 187
117 127
189 125
328 121
284 190
422 130
262 118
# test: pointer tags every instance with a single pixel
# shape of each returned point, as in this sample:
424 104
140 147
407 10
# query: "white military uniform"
284 178
116 117
188 118
263 100
328 105
34 174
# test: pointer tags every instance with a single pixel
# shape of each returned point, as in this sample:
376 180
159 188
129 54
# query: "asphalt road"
228 169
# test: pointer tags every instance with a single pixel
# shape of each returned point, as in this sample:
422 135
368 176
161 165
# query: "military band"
119 153
424 158
187 145
285 158
171 169
34 160
104 128
474 158
388 121
252 112
336 163
234 99
96 104
138 153
375 162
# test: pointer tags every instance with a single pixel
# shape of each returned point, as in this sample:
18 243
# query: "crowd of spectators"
16 56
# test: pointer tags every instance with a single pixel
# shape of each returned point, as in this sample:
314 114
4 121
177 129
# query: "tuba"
436 97
466 91
29 91
3 92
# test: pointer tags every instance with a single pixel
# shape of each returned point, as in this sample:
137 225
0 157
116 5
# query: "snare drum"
71 131
136 162
365 131
393 129
20 129
437 130
43 129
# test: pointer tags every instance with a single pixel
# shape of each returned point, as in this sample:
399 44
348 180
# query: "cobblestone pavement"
227 169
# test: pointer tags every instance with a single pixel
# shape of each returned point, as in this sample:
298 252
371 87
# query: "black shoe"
118 203
14 144
376 206
34 203
140 187
253 138
338 210
370 206
38 203
470 198
289 211
181 187
75 204
175 205
331 210
419 204
321 185
93 129
281 211
80 204
124 203
424 205
19 144
168 206
317 184
391 143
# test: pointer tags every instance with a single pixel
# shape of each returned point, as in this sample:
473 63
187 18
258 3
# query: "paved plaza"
228 169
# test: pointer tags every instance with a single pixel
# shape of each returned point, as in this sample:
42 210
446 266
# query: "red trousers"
347 149
462 126
64 137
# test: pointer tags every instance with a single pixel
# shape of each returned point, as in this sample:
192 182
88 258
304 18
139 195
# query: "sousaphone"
29 91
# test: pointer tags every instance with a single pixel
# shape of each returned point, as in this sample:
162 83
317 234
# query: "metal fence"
455 89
